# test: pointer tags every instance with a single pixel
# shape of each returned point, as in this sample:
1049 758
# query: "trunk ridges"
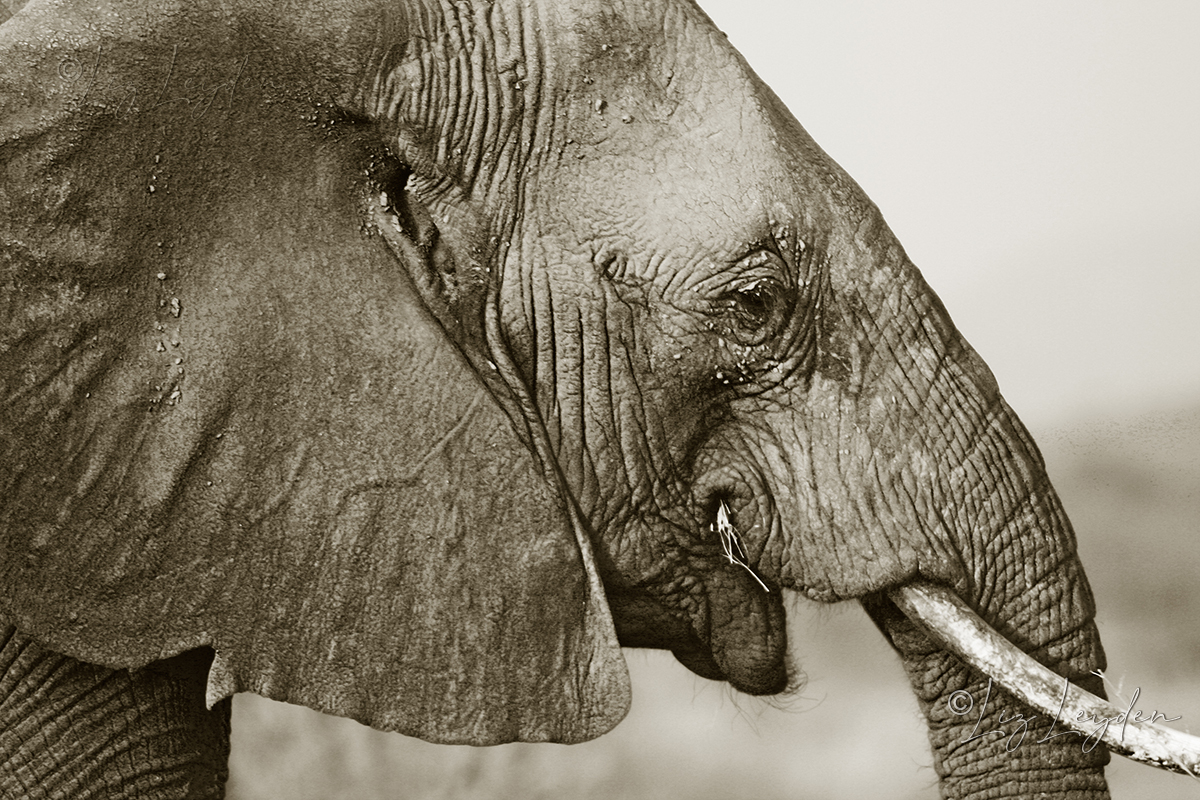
986 743
945 619
1001 748
71 729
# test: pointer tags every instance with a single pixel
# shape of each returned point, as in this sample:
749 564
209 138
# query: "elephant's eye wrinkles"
392 180
755 311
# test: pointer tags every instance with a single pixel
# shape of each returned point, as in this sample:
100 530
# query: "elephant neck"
71 729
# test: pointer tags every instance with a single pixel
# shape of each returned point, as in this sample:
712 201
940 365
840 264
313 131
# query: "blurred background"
1041 164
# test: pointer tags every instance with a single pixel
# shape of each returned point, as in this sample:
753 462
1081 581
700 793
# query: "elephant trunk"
957 629
1014 561
914 470
1011 557
988 741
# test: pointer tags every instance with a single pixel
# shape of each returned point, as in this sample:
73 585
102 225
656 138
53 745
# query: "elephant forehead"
663 185
693 151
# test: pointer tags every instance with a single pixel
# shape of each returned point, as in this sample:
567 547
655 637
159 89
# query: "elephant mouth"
725 621
732 547
949 622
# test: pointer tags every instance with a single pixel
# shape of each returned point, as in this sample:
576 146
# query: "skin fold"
403 360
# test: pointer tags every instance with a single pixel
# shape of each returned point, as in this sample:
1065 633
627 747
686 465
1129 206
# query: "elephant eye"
755 310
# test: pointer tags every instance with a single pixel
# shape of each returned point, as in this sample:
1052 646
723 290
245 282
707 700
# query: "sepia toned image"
582 399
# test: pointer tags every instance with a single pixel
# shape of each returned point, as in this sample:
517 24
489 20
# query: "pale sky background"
1039 161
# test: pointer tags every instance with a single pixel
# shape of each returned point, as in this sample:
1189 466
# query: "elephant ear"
229 420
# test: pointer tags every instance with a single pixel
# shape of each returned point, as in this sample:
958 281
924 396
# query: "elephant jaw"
949 622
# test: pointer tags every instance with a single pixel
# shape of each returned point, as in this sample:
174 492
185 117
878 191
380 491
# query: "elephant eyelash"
731 543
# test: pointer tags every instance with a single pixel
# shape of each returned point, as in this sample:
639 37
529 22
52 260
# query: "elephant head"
414 356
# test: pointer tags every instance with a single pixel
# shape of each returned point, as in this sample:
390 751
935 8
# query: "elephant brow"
731 543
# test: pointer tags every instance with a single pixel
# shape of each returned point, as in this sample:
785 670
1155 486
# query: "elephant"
406 360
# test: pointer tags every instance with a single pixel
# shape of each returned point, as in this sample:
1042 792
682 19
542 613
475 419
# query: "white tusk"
949 622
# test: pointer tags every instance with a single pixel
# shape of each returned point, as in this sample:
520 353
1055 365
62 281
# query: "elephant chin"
952 625
749 651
